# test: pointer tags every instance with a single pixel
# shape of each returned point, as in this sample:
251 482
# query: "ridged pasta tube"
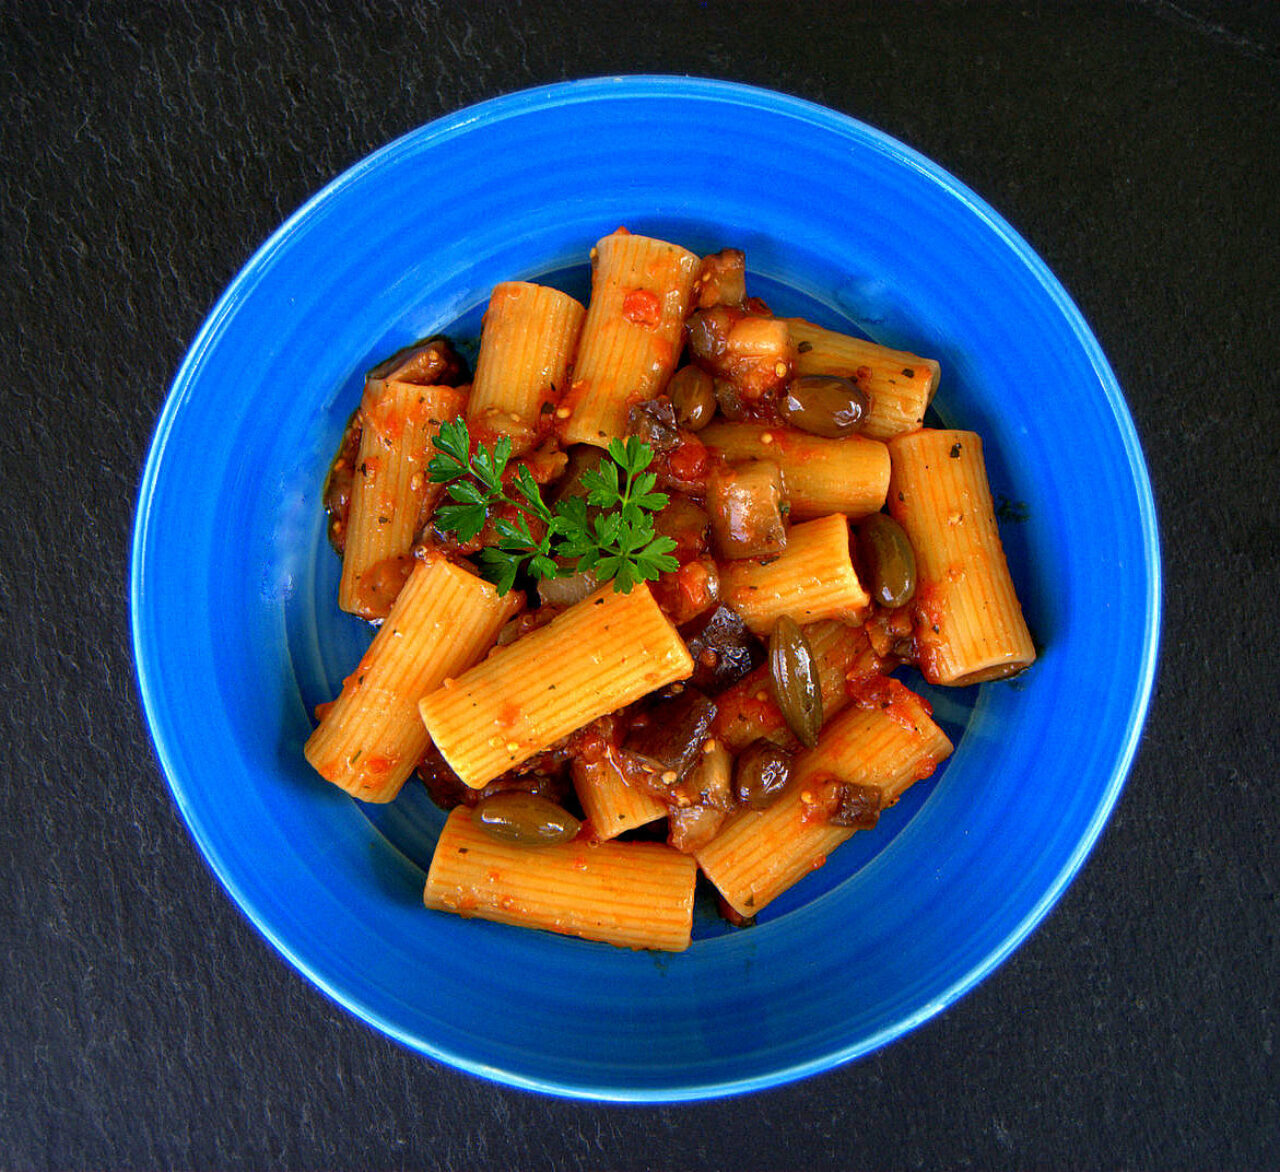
812 579
372 736
611 803
900 384
968 621
391 494
599 655
632 335
823 476
635 894
526 347
760 854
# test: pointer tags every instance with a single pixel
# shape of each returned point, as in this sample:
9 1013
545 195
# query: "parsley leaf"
465 520
498 568
618 543
453 447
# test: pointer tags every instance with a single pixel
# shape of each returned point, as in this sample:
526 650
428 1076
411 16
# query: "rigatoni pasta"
598 656
637 896
638 588
968 621
612 804
812 579
632 335
529 338
391 495
823 475
901 384
371 737
760 854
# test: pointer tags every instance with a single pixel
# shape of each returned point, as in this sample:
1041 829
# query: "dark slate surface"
148 149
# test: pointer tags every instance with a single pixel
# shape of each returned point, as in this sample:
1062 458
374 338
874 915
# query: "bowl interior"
238 636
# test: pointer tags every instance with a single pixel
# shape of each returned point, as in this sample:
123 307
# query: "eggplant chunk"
748 507
432 362
654 421
722 279
723 649
670 735
692 827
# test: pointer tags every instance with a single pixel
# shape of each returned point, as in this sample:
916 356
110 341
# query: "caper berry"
729 399
825 404
761 774
525 819
693 394
888 560
793 675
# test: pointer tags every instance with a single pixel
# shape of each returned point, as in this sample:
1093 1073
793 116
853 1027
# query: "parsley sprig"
619 543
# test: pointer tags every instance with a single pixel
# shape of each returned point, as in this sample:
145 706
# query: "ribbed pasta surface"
444 620
760 854
968 621
611 805
812 579
823 476
637 895
604 652
836 648
391 492
900 383
749 711
632 334
884 748
526 346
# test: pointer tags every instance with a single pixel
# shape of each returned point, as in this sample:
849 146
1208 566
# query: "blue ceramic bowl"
237 634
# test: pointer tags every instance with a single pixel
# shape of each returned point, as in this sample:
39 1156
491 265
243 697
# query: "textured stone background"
148 149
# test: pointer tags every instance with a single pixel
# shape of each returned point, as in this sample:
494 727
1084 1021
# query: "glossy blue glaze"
237 634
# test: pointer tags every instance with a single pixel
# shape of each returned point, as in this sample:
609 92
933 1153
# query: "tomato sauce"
642 308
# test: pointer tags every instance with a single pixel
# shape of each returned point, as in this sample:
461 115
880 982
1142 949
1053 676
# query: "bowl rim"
555 96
